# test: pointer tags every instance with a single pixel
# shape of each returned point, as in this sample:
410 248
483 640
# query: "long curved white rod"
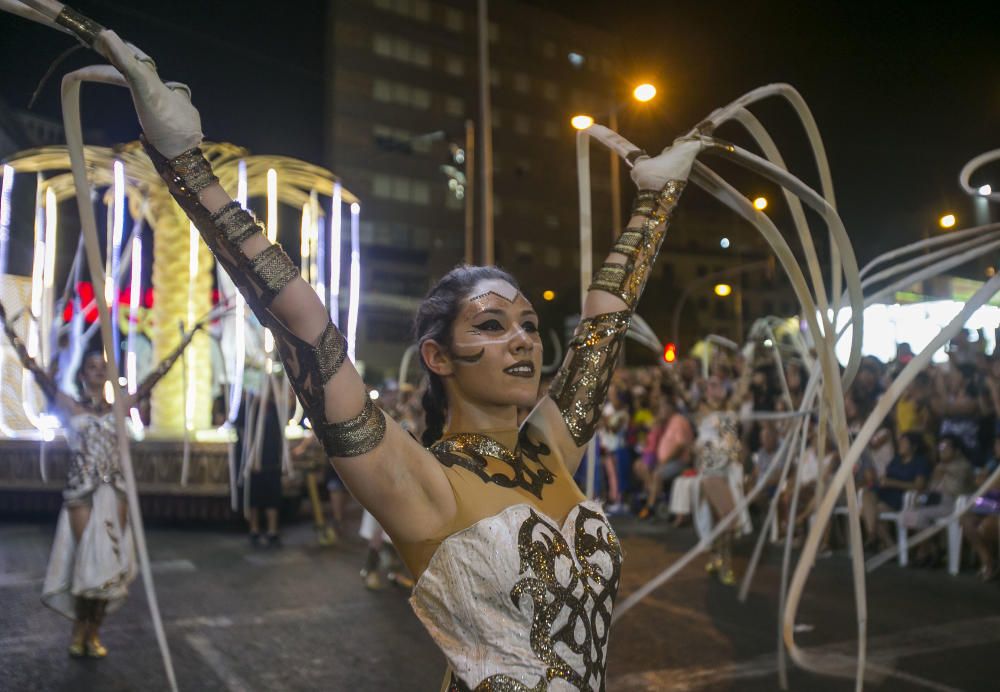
969 168
920 246
825 508
794 98
74 138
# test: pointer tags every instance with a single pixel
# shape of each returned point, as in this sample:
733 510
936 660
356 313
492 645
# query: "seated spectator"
981 524
667 454
951 477
907 471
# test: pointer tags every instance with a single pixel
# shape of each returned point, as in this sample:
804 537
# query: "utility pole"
486 133
470 176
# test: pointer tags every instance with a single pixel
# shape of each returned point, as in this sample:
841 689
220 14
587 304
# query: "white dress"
517 602
102 564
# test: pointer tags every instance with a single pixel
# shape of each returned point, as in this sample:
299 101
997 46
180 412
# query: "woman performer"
517 572
717 455
91 564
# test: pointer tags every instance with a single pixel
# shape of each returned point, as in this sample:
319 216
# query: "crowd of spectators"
663 427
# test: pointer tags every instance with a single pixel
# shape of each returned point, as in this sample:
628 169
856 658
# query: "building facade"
401 83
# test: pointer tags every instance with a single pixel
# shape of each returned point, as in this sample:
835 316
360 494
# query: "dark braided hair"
434 320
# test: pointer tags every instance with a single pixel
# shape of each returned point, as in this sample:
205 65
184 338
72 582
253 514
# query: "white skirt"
101 566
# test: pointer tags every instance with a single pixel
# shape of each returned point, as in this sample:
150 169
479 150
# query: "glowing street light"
723 290
644 92
947 221
985 190
581 122
549 295
760 204
724 243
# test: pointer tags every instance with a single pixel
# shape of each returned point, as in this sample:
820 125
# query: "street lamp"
644 92
760 204
947 221
581 122
723 290
985 190
549 295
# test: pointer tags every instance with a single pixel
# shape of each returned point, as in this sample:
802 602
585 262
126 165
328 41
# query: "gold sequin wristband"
191 171
639 245
85 28
236 223
356 436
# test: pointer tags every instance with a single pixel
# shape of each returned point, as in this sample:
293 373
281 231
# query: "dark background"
904 93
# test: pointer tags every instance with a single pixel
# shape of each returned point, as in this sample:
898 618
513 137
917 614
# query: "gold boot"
77 648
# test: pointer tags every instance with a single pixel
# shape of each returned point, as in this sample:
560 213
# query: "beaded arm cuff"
43 379
260 279
581 385
639 245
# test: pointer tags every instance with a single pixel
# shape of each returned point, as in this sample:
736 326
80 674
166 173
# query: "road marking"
16 579
216 660
883 652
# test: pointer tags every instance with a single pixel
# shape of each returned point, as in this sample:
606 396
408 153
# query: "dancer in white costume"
92 560
490 518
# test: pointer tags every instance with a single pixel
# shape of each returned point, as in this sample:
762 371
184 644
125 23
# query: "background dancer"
91 564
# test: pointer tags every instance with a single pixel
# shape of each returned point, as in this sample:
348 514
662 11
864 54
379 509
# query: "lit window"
454 65
454 20
454 106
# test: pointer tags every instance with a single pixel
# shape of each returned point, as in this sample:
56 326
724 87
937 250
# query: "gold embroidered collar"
472 451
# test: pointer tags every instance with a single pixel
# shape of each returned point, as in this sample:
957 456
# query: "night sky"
904 93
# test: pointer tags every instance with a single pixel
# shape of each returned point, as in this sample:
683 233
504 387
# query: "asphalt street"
299 618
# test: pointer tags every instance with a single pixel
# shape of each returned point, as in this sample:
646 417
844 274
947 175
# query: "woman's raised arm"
386 469
568 416
43 378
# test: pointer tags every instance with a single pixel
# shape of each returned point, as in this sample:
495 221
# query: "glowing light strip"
319 257
48 273
6 185
352 299
305 240
336 222
29 404
236 392
272 236
135 288
117 232
192 274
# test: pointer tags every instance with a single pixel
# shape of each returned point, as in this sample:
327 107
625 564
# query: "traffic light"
669 352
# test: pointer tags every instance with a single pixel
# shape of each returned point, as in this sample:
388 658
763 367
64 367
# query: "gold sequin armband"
236 223
581 385
639 245
191 171
356 436
275 269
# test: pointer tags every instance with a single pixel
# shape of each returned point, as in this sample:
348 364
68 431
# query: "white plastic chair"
902 536
955 535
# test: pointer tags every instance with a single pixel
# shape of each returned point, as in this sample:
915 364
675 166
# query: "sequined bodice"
92 441
518 602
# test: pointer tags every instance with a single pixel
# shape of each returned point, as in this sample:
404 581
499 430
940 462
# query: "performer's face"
496 348
94 372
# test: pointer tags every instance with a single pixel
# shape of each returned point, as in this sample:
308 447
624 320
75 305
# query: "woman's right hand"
169 121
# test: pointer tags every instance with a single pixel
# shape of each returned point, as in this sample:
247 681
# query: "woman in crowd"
908 471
